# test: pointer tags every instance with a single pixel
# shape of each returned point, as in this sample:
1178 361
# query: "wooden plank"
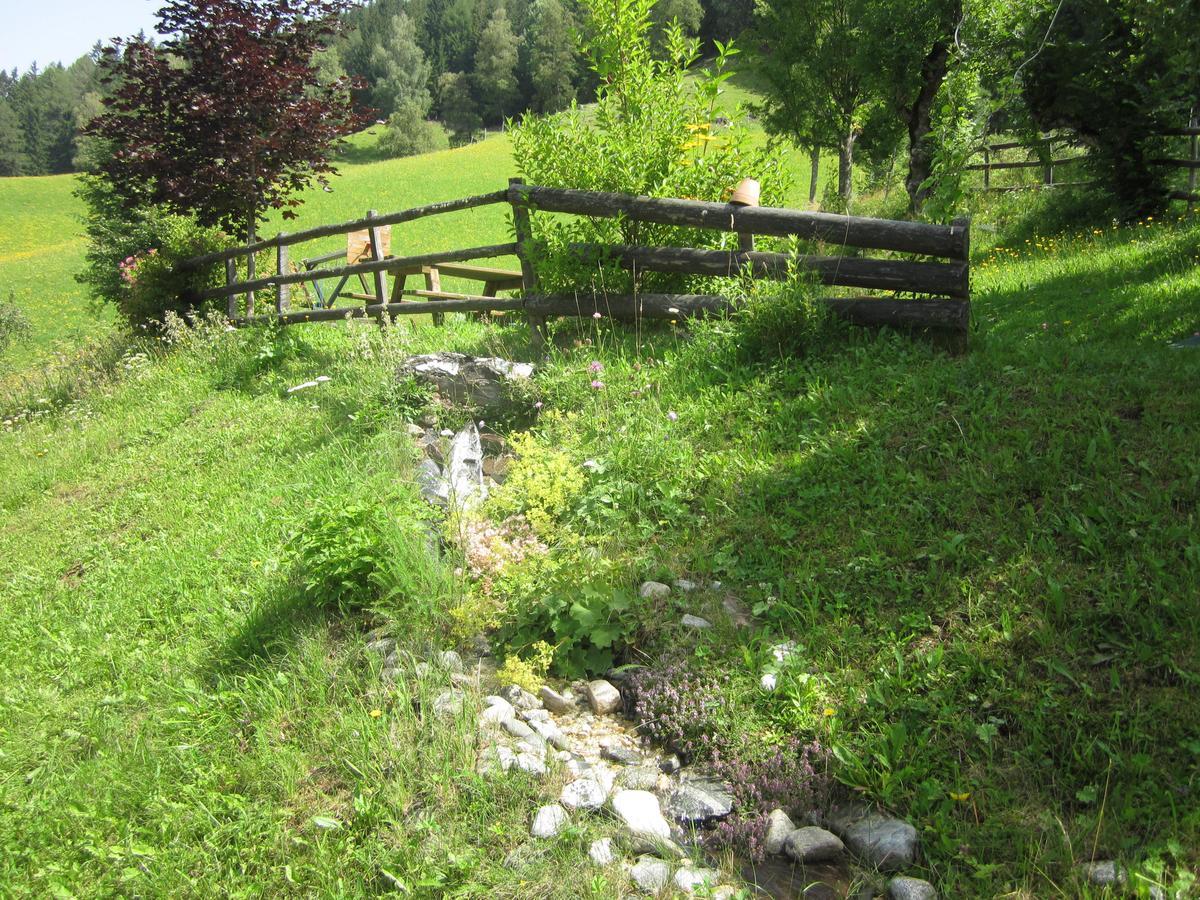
481 273
875 312
230 280
1024 164
946 279
628 307
358 243
1176 163
851 231
295 317
424 259
447 295
404 215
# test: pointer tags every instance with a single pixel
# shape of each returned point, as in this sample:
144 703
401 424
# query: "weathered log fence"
939 279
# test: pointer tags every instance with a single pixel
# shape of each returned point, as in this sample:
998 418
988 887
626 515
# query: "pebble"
414 430
626 756
601 852
382 646
496 714
531 763
603 697
583 793
519 729
650 875
886 844
450 661
779 826
904 888
549 821
690 621
638 778
1103 873
535 715
670 765
811 844
653 590
685 585
495 758
551 734
688 879
556 702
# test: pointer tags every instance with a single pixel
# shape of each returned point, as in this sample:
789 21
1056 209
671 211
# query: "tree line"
41 114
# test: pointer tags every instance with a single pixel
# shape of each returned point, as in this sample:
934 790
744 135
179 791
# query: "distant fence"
1056 151
940 278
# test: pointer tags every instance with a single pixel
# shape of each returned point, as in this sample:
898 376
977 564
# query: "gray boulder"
480 382
904 888
583 793
650 875
464 469
549 821
813 845
556 702
601 852
779 826
886 844
654 590
603 697
699 801
1103 873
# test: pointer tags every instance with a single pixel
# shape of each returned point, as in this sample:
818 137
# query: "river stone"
813 845
641 815
884 843
690 621
551 734
479 382
531 763
495 759
384 646
556 702
450 661
653 590
535 715
688 879
601 852
603 697
699 801
449 704
626 756
434 488
496 714
519 729
638 778
904 888
549 821
650 875
685 585
520 698
583 793
670 765
1103 873
779 826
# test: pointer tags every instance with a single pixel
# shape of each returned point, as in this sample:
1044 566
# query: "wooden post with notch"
377 256
529 284
433 284
283 291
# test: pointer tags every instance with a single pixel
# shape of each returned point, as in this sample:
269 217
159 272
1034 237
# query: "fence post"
1195 122
250 275
230 279
987 168
529 283
376 255
283 292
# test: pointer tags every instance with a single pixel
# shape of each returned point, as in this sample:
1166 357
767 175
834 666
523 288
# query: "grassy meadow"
990 563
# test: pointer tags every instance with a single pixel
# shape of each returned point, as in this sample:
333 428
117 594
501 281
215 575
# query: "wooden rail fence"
940 278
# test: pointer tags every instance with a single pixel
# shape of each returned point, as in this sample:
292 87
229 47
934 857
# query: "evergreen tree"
688 13
457 103
553 65
13 159
399 71
495 73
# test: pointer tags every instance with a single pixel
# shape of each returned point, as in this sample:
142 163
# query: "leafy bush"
408 133
343 552
133 254
652 132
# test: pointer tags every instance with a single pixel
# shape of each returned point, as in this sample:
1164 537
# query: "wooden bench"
494 280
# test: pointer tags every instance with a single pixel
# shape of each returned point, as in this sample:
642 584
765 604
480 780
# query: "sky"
48 31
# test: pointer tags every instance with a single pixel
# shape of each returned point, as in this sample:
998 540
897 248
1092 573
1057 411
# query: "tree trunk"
814 156
846 165
920 114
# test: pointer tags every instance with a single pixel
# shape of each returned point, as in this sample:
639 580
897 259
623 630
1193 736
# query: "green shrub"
410 134
343 553
653 132
133 254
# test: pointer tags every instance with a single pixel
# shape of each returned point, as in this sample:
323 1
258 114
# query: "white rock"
556 702
684 585
603 697
904 888
450 661
650 875
496 759
531 763
496 713
601 852
1104 873
779 826
688 879
690 621
449 704
769 682
653 590
549 821
811 844
414 430
583 793
640 813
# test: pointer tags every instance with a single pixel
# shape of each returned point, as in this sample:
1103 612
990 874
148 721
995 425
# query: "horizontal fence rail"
947 241
381 265
323 231
945 279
